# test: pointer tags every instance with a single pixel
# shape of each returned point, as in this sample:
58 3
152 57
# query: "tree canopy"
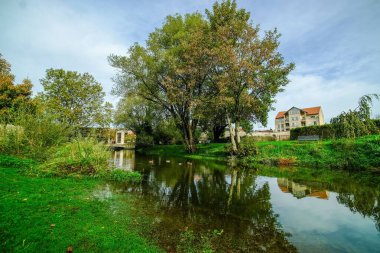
77 99
194 66
12 96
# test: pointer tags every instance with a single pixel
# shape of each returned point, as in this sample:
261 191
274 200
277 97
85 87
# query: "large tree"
173 70
12 96
77 99
250 70
192 66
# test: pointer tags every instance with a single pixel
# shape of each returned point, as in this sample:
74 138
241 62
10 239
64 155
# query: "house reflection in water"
299 190
124 159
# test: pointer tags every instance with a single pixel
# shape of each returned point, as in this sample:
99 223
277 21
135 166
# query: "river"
238 210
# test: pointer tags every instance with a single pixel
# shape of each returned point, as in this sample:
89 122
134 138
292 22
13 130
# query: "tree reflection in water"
202 199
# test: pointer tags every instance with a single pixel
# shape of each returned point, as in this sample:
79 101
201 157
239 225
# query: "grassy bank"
346 154
49 214
212 151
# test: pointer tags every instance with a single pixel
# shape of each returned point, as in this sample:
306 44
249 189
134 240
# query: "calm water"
238 210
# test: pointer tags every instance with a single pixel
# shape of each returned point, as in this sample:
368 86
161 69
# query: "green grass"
212 151
354 155
49 214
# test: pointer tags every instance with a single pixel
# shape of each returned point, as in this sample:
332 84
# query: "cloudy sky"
334 44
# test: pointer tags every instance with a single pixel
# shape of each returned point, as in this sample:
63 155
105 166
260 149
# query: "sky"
335 45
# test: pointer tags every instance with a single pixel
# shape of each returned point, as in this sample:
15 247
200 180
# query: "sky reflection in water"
256 213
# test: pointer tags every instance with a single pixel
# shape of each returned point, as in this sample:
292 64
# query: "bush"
84 156
144 140
377 123
120 175
247 148
31 134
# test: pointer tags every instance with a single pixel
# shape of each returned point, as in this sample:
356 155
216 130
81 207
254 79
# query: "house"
296 117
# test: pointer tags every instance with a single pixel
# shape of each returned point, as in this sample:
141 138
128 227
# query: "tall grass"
80 156
31 134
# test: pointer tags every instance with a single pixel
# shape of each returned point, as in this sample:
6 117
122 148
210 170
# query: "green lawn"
49 214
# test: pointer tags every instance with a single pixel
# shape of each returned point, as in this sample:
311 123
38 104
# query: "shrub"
83 156
120 175
247 148
31 134
144 140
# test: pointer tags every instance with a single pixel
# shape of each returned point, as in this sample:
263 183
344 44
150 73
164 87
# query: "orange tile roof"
309 111
280 115
320 194
312 110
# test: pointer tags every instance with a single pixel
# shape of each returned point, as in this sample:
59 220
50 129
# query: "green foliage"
335 131
33 134
196 67
377 123
361 154
247 148
144 140
13 95
120 175
167 133
246 125
327 131
356 122
77 99
81 156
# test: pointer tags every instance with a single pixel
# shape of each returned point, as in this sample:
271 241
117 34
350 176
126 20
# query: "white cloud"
334 44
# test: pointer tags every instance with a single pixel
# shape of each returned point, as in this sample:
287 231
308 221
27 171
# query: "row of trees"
75 100
213 70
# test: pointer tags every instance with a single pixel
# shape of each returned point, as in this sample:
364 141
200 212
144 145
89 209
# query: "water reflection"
124 159
299 190
256 213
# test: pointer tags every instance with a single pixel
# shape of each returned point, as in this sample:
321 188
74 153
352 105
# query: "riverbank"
212 151
50 214
345 154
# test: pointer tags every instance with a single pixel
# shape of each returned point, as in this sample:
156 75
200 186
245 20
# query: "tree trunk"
217 131
237 134
232 135
231 191
188 136
191 147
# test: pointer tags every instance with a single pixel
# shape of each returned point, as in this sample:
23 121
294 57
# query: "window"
292 124
118 139
315 123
